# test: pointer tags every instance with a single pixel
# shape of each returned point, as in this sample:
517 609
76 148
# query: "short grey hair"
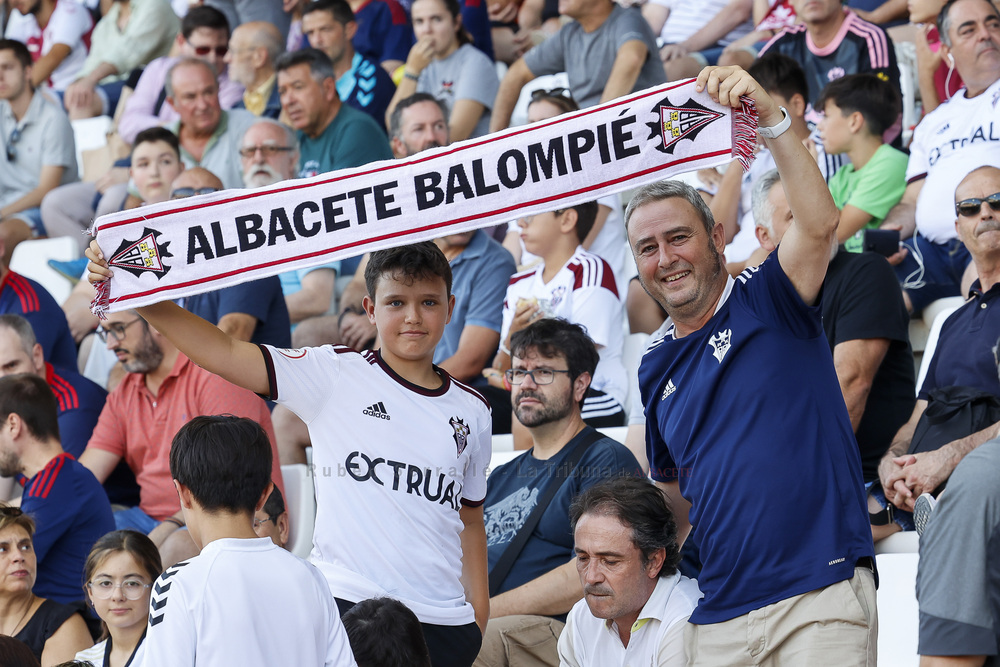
320 65
168 83
22 328
290 137
944 19
763 209
661 190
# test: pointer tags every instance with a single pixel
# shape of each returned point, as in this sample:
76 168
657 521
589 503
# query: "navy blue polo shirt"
262 299
384 31
966 353
747 415
23 296
79 402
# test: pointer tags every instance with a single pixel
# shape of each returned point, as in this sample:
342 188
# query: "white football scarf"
178 248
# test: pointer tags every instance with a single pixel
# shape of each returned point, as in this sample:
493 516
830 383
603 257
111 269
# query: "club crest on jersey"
557 295
143 255
461 433
720 343
679 122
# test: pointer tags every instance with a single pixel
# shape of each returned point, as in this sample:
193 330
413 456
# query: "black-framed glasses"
970 207
103 589
184 193
539 376
14 137
265 150
115 330
203 51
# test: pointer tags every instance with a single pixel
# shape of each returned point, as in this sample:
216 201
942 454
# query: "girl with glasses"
119 572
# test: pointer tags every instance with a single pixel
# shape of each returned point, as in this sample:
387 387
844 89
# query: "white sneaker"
923 509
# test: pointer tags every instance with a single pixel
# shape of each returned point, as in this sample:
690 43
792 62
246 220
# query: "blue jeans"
135 519
932 271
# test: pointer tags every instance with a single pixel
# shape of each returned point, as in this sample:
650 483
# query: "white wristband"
776 130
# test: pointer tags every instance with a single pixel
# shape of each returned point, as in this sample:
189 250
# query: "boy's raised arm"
202 342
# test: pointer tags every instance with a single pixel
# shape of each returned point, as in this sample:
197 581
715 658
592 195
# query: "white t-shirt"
584 292
657 636
95 654
393 465
244 602
957 137
70 24
686 18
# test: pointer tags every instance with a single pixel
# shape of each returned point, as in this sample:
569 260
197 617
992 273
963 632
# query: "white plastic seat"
945 307
300 501
31 260
898 617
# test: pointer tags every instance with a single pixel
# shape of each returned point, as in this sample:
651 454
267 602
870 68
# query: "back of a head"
384 633
29 397
203 16
780 74
408 263
225 462
197 178
15 653
586 216
874 98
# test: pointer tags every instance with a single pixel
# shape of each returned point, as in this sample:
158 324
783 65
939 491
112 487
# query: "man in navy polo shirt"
966 353
777 505
66 501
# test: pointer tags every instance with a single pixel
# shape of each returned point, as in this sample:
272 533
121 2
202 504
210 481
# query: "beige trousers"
520 641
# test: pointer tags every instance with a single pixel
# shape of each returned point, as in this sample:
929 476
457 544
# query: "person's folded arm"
551 594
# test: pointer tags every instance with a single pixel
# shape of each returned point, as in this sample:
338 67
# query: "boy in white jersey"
209 610
400 448
577 286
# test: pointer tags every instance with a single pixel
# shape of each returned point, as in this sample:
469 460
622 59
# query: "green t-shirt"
352 139
875 188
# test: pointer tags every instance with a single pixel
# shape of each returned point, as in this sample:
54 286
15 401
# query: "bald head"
253 49
196 178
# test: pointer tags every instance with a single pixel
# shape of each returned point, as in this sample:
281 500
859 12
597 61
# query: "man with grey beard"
270 153
162 391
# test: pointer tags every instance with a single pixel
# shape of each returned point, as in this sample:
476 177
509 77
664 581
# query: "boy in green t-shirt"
857 110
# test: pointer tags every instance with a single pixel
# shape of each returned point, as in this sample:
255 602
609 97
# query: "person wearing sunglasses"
69 505
37 147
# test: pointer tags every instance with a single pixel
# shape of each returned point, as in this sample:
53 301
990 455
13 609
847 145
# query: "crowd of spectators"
226 94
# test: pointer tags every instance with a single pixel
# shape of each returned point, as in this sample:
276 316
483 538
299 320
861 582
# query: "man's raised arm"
804 252
205 344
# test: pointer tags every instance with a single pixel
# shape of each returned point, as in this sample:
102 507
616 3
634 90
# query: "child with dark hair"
211 609
384 633
400 447
857 110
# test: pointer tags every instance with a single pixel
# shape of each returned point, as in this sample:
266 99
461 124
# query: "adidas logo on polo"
668 389
376 410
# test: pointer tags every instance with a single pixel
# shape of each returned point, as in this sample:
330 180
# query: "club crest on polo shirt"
678 122
143 255
461 433
720 344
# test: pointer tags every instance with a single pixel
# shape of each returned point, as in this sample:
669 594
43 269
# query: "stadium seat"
615 432
89 133
300 501
899 543
898 617
939 311
635 345
31 260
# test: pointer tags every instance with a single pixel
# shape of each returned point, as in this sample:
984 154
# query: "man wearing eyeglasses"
533 579
965 355
38 147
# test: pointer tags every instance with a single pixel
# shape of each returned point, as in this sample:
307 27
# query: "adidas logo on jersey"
376 410
668 389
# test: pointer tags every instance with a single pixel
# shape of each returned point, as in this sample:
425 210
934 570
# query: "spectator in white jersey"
204 611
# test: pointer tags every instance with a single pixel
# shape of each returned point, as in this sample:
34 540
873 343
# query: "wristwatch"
776 130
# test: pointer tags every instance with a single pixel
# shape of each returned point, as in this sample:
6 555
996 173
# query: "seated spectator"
384 34
240 12
330 25
964 357
272 520
39 145
118 578
831 42
576 285
162 391
533 582
78 400
53 631
948 141
331 135
603 38
444 63
857 110
866 325
205 35
127 37
635 602
936 75
695 33
23 296
69 505
384 633
58 36
221 466
253 49
957 588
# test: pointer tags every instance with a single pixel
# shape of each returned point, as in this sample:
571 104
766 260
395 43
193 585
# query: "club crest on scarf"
143 255
679 122
461 433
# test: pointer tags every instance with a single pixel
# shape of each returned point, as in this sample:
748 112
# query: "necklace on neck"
31 601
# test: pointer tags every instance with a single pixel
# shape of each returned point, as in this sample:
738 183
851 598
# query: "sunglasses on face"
220 51
11 148
970 207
